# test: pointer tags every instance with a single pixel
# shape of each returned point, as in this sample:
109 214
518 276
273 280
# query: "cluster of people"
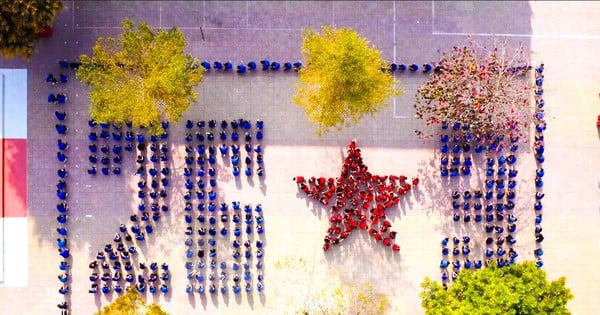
113 270
242 68
201 180
455 145
53 80
151 190
203 260
538 147
201 144
58 98
105 135
360 199
460 252
492 205
152 185
62 194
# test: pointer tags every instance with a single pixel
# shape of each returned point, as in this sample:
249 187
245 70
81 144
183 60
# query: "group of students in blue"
114 270
215 218
201 150
202 264
495 204
58 98
241 68
62 194
458 144
152 192
491 206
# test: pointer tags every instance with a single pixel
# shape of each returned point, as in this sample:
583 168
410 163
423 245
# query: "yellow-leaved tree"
142 77
131 303
344 78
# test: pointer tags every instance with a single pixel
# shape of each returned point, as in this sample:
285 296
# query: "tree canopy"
326 297
343 78
131 303
20 23
481 88
516 289
142 77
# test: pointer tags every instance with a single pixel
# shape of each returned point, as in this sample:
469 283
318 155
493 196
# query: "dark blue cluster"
114 269
213 223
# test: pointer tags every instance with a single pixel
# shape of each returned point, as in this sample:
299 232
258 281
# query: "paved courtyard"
563 35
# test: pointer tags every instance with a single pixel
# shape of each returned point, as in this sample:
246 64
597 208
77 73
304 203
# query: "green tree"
142 77
343 78
516 289
483 88
131 303
20 23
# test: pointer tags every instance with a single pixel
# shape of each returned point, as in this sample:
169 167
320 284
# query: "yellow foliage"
343 78
347 299
131 303
142 77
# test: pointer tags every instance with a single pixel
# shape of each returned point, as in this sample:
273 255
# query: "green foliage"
478 87
21 21
131 303
143 77
343 78
516 289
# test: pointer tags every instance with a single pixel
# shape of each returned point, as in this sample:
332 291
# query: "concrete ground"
563 35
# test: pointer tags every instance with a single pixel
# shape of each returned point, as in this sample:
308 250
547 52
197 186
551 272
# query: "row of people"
234 136
265 65
212 288
50 78
224 124
59 98
478 218
224 218
117 288
413 67
539 149
224 150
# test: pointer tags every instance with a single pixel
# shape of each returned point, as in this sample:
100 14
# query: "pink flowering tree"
487 90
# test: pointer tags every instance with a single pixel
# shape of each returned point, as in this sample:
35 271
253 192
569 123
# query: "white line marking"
559 36
247 14
432 17
205 28
203 13
159 14
73 15
332 13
